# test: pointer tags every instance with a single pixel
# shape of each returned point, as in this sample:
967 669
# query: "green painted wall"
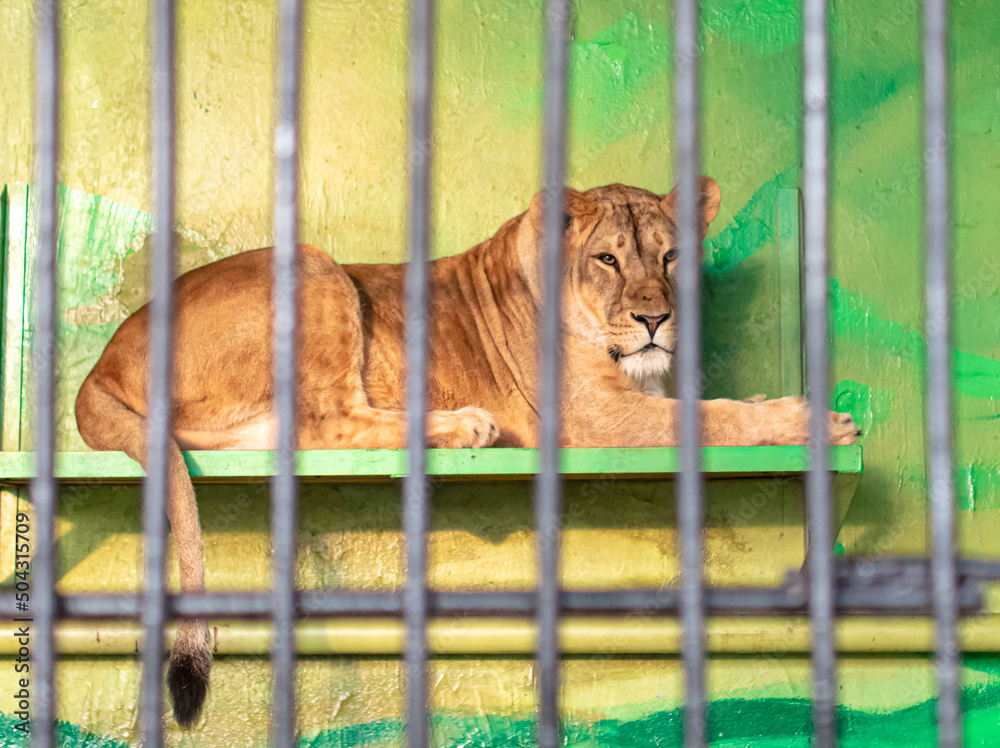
487 116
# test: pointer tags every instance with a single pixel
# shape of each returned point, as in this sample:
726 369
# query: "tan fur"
483 328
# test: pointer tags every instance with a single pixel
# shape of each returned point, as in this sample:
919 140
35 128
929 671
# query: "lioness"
483 324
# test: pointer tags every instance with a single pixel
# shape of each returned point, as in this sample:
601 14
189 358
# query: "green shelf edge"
387 464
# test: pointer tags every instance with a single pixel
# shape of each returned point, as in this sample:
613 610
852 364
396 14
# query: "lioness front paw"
787 423
461 429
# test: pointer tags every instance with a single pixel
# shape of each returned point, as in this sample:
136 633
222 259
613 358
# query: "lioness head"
621 258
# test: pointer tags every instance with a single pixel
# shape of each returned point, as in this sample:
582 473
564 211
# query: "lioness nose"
652 321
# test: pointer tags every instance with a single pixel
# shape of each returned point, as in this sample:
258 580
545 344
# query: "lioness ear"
709 198
578 207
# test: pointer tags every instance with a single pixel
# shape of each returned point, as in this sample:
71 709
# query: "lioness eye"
607 259
670 256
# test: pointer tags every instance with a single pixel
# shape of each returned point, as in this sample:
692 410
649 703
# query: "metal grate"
825 589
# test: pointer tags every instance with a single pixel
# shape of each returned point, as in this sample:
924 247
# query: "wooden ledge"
455 464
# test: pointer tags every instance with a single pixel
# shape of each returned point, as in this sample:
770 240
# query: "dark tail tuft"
187 674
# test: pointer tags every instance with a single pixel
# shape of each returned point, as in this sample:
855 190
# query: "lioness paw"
787 422
461 429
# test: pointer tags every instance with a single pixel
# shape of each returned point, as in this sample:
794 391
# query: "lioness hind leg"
335 411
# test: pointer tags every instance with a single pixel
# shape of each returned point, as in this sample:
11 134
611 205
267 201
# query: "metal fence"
826 588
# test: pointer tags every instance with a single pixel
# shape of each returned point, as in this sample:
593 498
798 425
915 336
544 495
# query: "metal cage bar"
416 489
156 488
44 488
690 485
548 482
942 510
284 487
817 483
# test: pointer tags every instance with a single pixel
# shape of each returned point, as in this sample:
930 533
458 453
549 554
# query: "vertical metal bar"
548 482
817 483
284 487
156 486
416 498
691 499
938 385
43 488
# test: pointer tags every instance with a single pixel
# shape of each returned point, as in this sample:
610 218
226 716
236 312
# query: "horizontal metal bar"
610 635
879 587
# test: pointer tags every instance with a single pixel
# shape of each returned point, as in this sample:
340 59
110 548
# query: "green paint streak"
977 486
377 732
769 27
854 398
67 736
870 90
770 722
616 68
751 229
977 376
974 376
612 72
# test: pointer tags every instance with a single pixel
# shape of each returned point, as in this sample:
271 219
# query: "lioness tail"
107 423
187 674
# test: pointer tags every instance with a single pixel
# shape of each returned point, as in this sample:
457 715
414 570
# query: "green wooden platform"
456 464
